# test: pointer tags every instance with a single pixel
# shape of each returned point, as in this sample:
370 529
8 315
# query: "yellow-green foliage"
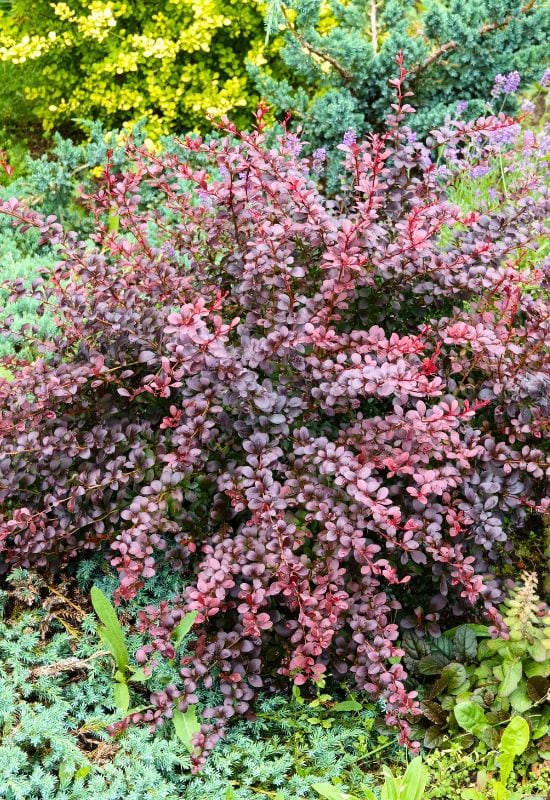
173 61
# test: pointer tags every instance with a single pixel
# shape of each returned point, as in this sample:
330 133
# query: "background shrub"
311 407
340 55
172 62
18 264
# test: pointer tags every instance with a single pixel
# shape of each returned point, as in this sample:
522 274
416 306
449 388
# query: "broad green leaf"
479 630
347 705
414 780
432 664
433 737
470 717
113 223
81 773
390 789
491 737
514 741
229 793
186 725
138 676
122 696
415 647
456 675
520 700
111 632
533 669
511 676
541 724
331 792
183 627
538 652
66 773
465 643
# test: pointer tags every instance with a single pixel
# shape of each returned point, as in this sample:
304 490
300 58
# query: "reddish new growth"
326 414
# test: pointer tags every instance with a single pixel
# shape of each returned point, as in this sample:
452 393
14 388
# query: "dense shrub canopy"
173 61
320 411
340 55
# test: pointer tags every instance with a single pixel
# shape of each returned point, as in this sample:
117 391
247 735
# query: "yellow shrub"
172 61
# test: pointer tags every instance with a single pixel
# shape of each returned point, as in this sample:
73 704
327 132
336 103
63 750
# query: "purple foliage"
327 415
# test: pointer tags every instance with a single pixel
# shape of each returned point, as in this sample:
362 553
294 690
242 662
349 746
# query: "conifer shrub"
326 415
172 62
340 53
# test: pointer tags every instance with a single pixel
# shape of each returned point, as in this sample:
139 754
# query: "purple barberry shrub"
326 414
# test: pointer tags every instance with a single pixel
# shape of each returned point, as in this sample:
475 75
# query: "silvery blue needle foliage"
341 53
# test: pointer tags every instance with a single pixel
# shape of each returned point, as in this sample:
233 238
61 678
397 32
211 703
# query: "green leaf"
470 717
66 773
390 789
512 673
433 737
81 773
122 696
456 675
183 627
432 664
331 792
514 741
415 647
186 725
138 675
479 630
465 643
491 737
533 669
538 652
111 632
414 780
347 705
520 700
113 223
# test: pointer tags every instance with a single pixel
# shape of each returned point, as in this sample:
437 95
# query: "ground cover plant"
56 703
315 409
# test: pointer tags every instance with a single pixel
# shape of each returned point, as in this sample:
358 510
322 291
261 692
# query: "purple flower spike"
350 137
